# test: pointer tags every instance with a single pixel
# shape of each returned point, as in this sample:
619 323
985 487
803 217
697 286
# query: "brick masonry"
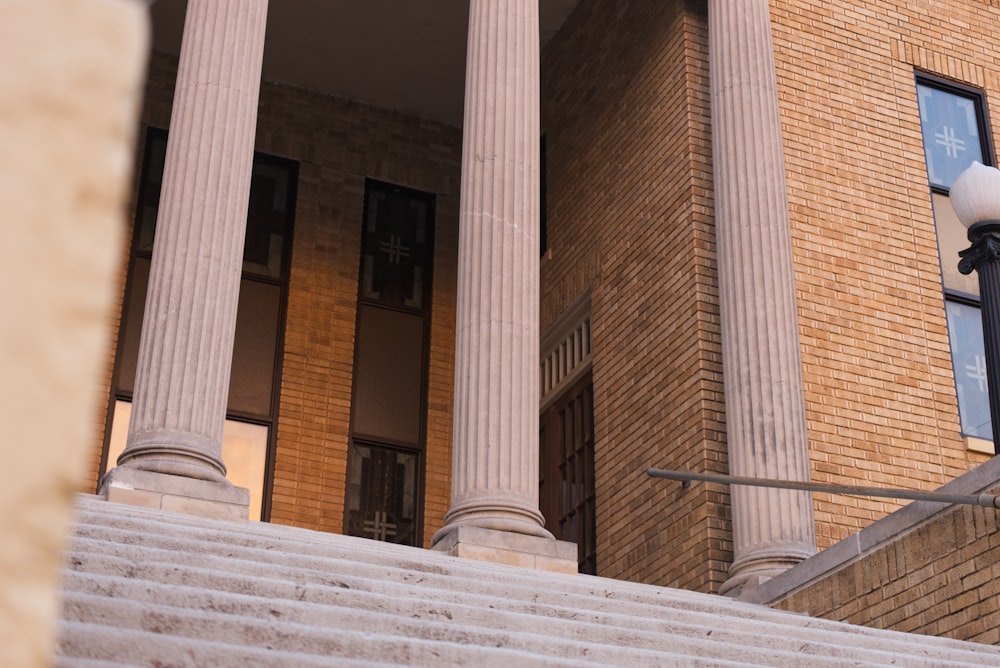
941 578
338 144
630 206
625 109
626 112
880 392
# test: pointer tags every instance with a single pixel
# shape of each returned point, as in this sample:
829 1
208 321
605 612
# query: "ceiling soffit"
406 55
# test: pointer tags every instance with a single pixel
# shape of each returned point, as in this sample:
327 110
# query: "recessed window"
395 241
567 490
965 331
252 408
543 204
953 124
385 464
382 494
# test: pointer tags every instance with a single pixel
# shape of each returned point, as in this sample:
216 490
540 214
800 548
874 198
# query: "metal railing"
985 500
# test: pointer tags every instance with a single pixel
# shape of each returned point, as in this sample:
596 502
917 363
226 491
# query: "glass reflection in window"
965 330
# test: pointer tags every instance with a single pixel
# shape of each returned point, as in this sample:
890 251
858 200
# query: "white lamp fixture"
975 195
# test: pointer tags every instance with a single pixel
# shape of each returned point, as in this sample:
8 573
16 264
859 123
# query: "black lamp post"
975 197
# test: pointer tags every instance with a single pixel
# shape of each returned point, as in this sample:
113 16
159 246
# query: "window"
385 465
382 493
954 132
253 386
543 204
567 495
566 488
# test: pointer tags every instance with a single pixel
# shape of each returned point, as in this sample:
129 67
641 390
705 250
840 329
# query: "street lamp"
975 197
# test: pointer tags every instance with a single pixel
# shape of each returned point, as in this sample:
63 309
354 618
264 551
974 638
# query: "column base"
514 549
748 573
736 585
178 494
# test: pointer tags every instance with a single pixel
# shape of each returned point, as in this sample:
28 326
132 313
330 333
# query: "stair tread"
415 619
223 590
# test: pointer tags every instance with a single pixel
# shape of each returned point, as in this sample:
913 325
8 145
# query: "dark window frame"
425 311
553 458
543 197
986 145
387 445
979 100
982 120
144 194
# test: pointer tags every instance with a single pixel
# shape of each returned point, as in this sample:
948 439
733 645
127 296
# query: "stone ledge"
981 479
514 549
177 494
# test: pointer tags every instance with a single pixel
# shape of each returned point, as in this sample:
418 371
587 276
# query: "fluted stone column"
494 504
174 449
765 408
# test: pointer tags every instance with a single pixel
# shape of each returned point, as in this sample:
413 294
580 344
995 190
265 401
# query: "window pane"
396 248
382 494
388 374
254 348
268 214
965 330
128 358
244 451
951 133
156 147
952 238
267 219
567 494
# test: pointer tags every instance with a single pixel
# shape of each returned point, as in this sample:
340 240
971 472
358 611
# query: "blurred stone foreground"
70 85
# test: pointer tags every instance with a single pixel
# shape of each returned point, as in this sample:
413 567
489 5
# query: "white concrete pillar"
185 351
70 86
765 407
495 439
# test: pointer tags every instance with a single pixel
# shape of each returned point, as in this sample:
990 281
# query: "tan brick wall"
880 394
626 113
624 85
941 579
337 145
625 108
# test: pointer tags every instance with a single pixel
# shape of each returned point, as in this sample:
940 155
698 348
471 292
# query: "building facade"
689 235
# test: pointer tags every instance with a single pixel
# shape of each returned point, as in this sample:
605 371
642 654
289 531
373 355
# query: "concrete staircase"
155 589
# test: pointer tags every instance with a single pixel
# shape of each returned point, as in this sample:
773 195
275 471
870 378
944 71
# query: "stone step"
576 594
518 585
203 592
95 645
349 557
354 634
290 592
281 545
415 617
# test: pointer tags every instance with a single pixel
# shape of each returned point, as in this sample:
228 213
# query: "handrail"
985 500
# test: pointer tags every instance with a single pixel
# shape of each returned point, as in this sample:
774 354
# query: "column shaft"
765 408
185 351
495 441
